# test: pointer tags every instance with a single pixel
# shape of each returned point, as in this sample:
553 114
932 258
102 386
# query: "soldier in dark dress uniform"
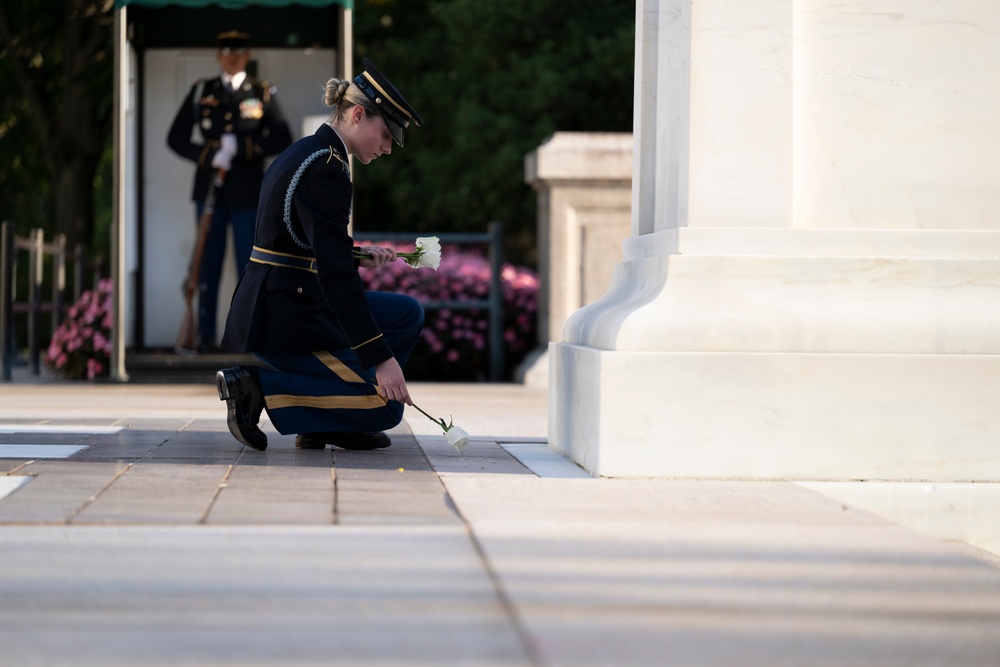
241 125
331 354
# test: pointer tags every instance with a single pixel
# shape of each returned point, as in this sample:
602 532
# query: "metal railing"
493 303
33 303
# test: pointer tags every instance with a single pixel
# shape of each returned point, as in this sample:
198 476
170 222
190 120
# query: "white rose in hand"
426 254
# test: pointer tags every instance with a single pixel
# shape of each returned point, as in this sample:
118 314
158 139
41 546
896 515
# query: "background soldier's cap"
397 112
233 39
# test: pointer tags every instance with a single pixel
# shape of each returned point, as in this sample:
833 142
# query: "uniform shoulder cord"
291 192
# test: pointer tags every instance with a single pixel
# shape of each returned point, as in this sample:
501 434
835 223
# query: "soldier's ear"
357 113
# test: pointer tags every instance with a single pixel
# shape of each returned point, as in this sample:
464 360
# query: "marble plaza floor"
135 531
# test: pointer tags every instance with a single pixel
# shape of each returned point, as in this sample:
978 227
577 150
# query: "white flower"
457 438
429 244
427 253
429 259
455 435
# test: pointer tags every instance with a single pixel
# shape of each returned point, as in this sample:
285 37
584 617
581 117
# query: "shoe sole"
314 445
362 448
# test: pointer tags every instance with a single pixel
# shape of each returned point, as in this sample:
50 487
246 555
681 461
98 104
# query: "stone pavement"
162 541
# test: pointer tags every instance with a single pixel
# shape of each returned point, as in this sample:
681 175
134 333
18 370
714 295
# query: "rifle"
187 337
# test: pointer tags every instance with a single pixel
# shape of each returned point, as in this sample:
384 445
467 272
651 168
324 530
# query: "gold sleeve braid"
370 340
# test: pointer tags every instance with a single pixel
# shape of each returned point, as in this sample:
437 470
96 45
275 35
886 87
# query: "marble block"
791 354
761 415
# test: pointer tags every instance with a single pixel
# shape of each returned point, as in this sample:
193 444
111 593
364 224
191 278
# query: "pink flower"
81 346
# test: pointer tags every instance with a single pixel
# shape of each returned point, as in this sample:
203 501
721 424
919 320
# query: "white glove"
223 157
222 160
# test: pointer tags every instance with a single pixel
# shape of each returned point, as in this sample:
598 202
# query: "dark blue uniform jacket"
252 114
278 309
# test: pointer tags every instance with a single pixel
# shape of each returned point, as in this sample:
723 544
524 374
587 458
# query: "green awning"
232 4
272 23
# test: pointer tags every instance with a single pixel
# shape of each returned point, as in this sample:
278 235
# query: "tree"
56 118
492 79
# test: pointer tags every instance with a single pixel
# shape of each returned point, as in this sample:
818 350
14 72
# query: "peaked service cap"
397 112
233 39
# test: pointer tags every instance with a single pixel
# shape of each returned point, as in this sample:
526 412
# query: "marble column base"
773 415
811 356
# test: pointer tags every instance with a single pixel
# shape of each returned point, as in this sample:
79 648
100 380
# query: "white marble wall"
812 285
895 113
818 114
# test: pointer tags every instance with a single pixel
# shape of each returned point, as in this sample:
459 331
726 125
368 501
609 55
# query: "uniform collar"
333 138
235 80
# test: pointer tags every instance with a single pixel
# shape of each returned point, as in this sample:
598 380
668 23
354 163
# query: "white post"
345 45
119 188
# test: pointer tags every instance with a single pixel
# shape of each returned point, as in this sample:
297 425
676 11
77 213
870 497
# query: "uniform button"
229 115
299 290
229 127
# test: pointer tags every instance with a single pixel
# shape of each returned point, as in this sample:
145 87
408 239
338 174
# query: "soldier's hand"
380 256
391 383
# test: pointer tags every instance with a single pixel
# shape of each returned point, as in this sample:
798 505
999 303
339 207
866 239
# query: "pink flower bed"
456 341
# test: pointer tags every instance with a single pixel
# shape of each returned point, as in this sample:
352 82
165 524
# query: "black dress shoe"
343 439
310 441
239 388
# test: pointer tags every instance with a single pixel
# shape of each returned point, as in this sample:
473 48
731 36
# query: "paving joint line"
528 644
218 490
89 501
11 473
185 426
333 510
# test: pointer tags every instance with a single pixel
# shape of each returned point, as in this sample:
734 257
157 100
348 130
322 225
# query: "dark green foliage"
492 79
55 112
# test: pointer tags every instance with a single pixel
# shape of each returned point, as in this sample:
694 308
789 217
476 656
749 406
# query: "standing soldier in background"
241 125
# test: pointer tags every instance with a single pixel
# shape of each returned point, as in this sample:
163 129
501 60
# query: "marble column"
584 186
811 289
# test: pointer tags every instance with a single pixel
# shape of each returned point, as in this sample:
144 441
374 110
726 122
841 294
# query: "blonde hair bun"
335 91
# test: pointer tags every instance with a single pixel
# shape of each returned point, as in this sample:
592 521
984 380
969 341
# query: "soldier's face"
233 60
372 137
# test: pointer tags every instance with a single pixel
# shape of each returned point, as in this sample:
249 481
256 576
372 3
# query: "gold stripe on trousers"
339 368
277 401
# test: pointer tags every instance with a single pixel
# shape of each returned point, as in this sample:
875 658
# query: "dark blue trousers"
242 221
327 390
